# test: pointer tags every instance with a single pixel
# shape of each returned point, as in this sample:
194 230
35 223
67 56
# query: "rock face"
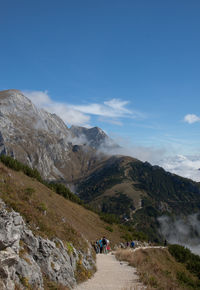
25 258
93 136
43 141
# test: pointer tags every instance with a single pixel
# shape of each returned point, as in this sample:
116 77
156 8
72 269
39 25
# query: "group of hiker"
130 244
102 246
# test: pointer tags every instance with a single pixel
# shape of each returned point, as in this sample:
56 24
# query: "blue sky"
129 67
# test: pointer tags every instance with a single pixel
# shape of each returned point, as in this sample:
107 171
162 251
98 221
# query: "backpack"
104 241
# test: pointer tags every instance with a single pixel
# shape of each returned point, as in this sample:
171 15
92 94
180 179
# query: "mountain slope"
139 193
26 195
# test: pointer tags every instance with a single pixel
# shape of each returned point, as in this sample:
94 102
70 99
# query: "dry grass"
49 214
156 268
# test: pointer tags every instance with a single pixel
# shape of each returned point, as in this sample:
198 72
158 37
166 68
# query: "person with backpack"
132 244
101 245
104 242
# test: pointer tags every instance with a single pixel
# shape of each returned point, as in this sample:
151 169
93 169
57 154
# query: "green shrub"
70 249
129 233
11 162
64 191
29 191
18 166
184 255
127 237
184 279
34 173
42 207
153 282
180 253
24 281
109 218
108 228
81 273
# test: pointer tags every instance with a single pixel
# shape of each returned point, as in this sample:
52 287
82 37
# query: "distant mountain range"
135 191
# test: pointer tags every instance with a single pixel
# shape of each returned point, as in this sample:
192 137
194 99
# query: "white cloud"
180 231
126 148
191 118
64 111
118 106
112 109
80 114
186 166
39 98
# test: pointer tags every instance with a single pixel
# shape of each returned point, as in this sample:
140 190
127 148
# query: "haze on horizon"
128 67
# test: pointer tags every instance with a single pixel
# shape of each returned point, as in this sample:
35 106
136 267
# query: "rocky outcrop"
93 136
8 258
96 138
25 259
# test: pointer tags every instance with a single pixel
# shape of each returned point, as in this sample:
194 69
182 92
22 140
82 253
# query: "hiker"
108 246
97 247
101 245
127 244
104 242
132 244
165 243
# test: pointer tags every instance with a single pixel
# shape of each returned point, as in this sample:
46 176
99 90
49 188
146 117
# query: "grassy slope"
158 269
48 213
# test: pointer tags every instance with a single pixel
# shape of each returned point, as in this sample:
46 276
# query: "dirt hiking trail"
112 275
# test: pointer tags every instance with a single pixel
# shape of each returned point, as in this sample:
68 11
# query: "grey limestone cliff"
26 259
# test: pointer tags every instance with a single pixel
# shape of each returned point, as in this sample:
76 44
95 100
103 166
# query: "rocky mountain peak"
42 140
95 136
12 101
8 93
19 109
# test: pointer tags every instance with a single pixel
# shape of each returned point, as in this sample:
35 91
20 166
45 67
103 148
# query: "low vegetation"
157 268
18 166
51 285
64 191
128 233
81 273
184 256
34 173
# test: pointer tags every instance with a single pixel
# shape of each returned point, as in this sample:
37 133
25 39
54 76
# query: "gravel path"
112 275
